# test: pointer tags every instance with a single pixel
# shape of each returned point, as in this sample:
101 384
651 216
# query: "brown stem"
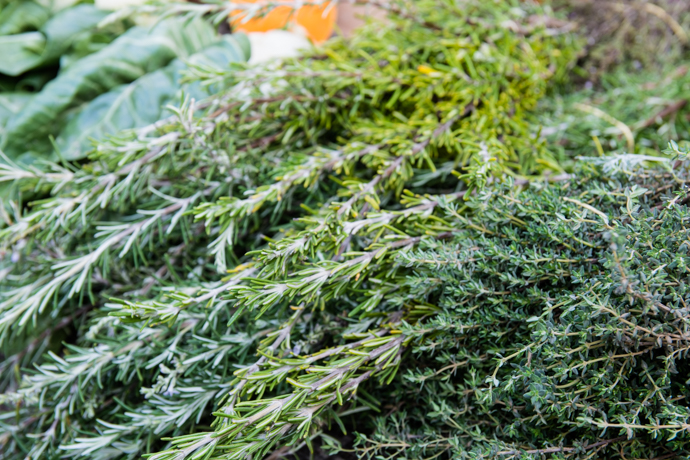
396 10
553 450
667 111
64 322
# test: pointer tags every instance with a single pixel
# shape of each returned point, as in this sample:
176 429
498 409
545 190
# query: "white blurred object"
113 5
140 19
276 44
56 5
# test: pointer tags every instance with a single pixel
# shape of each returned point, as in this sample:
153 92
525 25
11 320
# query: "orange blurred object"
311 18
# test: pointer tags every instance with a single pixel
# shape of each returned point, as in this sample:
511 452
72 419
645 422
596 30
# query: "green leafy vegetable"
134 54
33 49
67 27
21 52
22 16
11 103
143 102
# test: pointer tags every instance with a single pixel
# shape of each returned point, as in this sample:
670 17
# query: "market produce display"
431 240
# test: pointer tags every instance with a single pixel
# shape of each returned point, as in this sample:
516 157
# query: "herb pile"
379 227
557 325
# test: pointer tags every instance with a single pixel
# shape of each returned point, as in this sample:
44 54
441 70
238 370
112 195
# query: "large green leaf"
33 49
11 103
143 102
57 5
22 16
67 27
21 52
137 52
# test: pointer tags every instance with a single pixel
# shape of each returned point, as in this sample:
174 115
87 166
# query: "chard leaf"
67 27
137 52
23 16
143 101
21 52
30 50
11 103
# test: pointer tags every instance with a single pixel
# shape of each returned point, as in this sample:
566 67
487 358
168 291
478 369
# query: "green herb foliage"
633 112
266 264
559 323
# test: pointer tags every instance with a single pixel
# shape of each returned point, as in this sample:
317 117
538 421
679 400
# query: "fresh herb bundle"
252 271
558 322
